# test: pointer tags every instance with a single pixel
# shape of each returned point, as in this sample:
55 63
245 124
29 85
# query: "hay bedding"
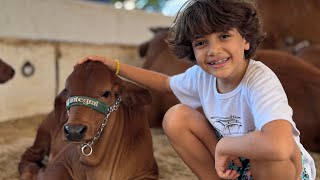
17 135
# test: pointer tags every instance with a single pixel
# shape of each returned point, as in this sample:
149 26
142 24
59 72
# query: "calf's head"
93 92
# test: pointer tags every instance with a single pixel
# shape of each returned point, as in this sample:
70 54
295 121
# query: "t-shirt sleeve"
185 87
268 99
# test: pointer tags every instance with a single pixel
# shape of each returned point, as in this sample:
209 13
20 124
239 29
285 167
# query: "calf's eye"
106 94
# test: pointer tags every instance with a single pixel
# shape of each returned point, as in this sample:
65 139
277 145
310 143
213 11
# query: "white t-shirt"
258 99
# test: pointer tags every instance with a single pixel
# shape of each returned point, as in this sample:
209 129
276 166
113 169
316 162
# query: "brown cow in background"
300 80
114 144
310 54
6 72
159 58
302 85
297 19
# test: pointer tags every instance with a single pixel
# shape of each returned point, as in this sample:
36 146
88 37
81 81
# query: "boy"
247 129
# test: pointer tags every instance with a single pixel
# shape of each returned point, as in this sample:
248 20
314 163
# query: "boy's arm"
146 78
274 142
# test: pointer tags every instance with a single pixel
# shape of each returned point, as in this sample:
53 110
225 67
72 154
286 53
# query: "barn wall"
52 36
29 94
76 21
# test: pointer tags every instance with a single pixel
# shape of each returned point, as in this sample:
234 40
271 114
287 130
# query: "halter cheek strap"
88 102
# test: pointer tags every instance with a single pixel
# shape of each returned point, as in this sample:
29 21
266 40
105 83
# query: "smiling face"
221 54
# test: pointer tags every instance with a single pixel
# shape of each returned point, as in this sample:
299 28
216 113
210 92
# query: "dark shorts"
245 172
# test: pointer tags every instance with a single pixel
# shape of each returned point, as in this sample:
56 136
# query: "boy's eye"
199 43
224 36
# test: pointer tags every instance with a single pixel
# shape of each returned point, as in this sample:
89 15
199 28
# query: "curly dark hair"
203 17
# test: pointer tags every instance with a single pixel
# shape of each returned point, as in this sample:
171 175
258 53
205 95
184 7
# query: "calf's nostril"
65 128
83 130
75 132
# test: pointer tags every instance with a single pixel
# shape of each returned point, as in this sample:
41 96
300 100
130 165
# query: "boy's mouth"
221 61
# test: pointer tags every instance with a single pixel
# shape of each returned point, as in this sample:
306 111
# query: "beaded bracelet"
118 66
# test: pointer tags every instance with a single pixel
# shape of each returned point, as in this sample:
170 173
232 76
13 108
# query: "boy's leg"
289 169
193 138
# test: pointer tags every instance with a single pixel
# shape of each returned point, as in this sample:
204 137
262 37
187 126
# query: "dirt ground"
17 135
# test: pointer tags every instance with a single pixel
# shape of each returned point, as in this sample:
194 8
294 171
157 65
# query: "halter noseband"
98 106
88 102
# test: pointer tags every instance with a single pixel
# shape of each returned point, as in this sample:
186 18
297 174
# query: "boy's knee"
176 117
172 117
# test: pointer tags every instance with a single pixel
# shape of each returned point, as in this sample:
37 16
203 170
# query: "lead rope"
88 145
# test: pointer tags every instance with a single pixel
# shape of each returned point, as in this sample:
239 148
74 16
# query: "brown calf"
110 141
299 79
6 72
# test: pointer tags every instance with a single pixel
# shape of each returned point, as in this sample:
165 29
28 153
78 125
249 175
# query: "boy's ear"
246 45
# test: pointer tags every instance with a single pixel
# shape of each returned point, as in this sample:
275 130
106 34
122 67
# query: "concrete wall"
27 95
76 21
52 35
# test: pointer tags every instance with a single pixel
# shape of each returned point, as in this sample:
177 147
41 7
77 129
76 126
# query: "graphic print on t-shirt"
228 126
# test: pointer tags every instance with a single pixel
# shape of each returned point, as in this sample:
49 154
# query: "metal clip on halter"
85 146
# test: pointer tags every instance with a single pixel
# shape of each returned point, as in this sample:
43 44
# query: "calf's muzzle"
74 132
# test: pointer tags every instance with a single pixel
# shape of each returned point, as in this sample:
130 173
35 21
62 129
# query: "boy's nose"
210 53
214 50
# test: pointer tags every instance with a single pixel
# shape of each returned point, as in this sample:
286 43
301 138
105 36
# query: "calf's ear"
143 48
60 104
61 98
133 94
